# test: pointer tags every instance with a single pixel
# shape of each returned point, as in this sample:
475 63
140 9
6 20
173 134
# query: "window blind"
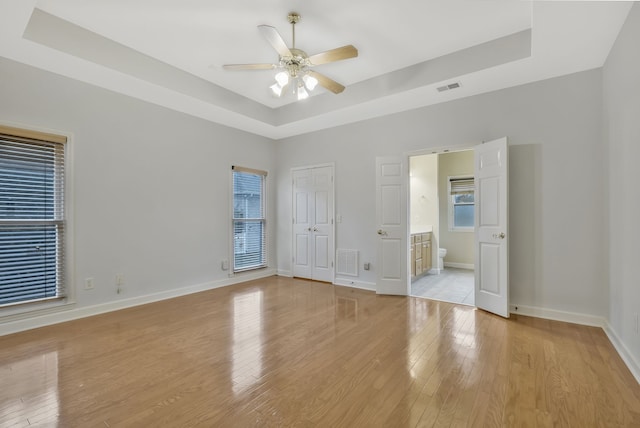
32 219
249 240
462 185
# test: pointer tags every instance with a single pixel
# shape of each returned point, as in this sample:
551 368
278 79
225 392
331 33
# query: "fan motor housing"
296 63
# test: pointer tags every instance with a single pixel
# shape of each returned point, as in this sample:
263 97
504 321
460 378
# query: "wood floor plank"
288 352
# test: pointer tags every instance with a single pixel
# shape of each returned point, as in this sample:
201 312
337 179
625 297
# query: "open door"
491 231
391 220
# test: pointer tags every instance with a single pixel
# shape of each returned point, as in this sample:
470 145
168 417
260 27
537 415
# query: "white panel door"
491 231
302 223
391 220
322 229
313 225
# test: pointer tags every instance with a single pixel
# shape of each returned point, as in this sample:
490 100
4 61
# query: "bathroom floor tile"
451 285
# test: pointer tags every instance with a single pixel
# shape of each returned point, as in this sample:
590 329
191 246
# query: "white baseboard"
632 363
459 265
41 320
286 273
370 286
552 314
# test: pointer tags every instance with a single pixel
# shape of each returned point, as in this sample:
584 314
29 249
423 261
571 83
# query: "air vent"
347 262
453 85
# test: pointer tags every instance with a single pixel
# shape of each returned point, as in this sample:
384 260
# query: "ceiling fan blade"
326 82
275 39
333 55
249 66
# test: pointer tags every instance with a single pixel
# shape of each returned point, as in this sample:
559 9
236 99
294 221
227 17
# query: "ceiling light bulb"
282 78
310 82
302 93
276 89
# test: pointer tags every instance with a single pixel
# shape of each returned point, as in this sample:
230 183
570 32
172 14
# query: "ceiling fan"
296 65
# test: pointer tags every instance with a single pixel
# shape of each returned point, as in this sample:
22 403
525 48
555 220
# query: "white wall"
459 244
423 199
556 181
423 193
622 134
151 185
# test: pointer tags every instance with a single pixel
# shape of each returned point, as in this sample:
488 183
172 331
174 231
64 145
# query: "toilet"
442 252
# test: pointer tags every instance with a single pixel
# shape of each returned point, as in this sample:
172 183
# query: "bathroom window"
461 204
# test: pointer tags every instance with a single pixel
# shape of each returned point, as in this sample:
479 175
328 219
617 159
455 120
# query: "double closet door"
313 225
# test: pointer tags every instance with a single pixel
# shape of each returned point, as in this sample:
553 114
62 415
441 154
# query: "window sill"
32 310
251 269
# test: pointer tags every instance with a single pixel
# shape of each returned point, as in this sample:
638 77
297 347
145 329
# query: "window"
461 203
249 247
32 219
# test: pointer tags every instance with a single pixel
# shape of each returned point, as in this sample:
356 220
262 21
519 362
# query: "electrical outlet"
119 283
88 284
224 264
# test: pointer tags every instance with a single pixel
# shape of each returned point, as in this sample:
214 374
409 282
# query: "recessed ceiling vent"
453 85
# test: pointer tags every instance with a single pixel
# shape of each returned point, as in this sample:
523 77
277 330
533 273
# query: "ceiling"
170 53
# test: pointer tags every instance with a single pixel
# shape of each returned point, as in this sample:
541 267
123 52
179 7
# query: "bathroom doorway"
441 226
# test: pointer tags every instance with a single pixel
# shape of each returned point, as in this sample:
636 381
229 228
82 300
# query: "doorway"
441 217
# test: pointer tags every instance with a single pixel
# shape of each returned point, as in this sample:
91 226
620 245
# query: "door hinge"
331 221
293 220
331 264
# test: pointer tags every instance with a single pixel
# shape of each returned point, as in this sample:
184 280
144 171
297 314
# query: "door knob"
500 235
308 229
315 229
381 232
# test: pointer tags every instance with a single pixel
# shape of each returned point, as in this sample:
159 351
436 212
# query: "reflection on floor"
451 285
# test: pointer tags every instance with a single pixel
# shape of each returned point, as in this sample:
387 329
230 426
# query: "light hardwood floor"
286 352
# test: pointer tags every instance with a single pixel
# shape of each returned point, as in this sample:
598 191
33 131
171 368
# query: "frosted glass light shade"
310 82
302 93
282 78
276 89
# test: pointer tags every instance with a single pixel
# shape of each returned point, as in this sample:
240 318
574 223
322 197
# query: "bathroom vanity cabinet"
420 258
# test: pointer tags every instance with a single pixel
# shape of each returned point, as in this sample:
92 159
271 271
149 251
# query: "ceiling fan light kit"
295 65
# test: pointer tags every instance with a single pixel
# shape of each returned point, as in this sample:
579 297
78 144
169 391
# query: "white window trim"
450 205
35 309
230 260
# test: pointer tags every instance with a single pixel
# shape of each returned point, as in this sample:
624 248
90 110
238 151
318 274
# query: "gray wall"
556 182
151 185
622 135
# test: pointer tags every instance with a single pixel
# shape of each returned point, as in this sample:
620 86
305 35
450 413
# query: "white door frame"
333 216
428 151
431 151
